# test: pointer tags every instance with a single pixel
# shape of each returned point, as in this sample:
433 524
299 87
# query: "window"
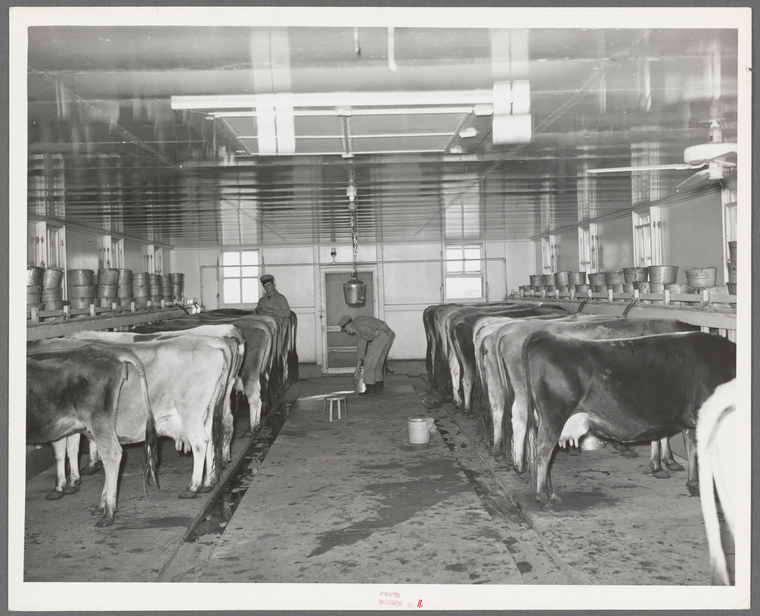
113 252
50 246
647 238
584 248
240 277
729 213
549 254
464 272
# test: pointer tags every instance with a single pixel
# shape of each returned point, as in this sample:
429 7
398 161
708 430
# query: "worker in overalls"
375 340
272 302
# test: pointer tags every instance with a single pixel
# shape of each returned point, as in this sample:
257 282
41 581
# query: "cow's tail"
217 428
715 408
150 445
532 421
293 354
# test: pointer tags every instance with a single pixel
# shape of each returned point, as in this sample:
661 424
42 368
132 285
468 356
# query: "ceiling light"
468 132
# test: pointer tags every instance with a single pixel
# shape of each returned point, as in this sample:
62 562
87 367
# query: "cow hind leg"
690 440
111 457
199 461
544 492
95 464
667 456
519 429
72 453
655 464
59 451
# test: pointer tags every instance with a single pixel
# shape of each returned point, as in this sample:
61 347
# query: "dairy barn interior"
437 199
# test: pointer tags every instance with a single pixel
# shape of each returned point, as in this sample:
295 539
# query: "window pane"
250 290
463 288
231 258
52 248
453 267
472 252
250 272
249 257
231 291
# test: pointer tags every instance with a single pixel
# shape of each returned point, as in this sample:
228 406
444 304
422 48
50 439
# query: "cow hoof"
187 494
661 474
673 465
693 488
71 489
77 482
92 469
54 495
205 489
629 453
103 522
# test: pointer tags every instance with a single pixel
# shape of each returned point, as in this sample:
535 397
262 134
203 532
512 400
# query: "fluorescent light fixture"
339 112
340 99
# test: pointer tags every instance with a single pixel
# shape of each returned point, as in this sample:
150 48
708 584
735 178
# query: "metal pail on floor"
420 429
592 442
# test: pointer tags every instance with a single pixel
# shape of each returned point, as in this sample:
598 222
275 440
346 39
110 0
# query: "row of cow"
536 377
182 379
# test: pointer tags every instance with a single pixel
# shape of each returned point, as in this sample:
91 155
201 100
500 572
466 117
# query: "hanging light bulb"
354 290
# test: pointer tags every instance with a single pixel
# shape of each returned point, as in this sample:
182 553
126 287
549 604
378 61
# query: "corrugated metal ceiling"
108 151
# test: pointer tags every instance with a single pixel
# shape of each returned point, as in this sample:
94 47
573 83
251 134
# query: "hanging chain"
354 239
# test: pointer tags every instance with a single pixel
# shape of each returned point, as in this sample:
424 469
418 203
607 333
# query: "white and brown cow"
78 390
227 339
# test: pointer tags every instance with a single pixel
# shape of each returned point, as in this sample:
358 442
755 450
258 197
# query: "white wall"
407 289
82 250
521 262
134 256
188 262
569 259
496 271
616 250
693 235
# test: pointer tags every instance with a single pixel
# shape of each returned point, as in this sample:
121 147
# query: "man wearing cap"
272 302
375 340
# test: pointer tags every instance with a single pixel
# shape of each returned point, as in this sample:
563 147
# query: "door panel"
340 347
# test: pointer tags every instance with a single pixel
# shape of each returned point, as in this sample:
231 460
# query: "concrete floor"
352 502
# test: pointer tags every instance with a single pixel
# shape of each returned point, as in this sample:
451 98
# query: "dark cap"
344 321
267 278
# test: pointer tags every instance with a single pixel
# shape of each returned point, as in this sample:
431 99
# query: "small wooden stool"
337 400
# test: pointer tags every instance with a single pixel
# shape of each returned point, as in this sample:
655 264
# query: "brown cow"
78 390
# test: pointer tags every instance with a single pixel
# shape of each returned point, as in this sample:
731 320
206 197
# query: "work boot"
369 391
379 387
